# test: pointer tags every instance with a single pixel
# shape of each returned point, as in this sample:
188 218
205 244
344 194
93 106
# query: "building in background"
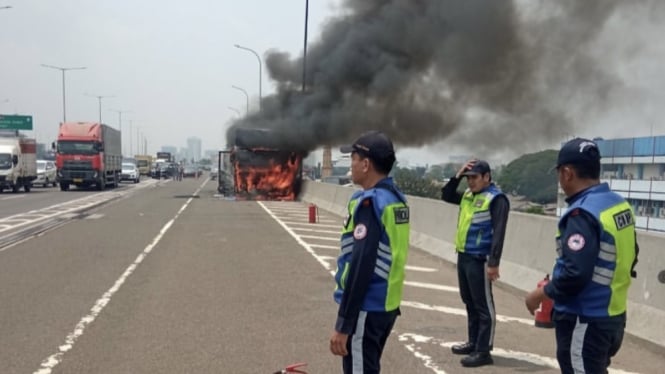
193 149
635 169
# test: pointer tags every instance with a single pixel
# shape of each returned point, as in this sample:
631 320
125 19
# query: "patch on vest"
623 219
360 232
576 242
401 215
479 203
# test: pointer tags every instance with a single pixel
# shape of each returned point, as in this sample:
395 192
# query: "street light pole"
64 107
120 112
260 69
99 98
246 96
235 110
304 56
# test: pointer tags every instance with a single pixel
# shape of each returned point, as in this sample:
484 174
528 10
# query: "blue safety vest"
607 292
474 225
385 288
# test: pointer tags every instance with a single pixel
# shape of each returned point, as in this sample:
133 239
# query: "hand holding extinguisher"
540 305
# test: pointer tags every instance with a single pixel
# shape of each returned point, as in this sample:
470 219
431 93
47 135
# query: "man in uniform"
370 267
481 229
597 251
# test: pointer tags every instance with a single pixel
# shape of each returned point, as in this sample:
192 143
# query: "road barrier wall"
528 254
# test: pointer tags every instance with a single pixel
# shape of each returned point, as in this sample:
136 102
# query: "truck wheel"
55 184
64 186
26 187
15 188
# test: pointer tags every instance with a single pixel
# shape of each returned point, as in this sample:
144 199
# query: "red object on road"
544 312
293 369
313 213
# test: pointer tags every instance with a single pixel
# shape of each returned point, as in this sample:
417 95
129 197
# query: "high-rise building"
194 149
635 169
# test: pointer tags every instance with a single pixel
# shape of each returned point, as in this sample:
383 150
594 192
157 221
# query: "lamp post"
260 69
64 107
246 96
120 112
304 55
99 98
235 110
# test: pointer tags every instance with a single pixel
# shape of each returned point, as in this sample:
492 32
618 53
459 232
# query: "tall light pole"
304 55
246 96
235 110
120 112
260 69
99 98
64 107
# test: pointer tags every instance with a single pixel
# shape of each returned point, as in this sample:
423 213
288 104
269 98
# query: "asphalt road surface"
174 279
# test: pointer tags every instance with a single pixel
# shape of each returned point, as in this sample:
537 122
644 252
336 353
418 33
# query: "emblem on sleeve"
576 242
360 232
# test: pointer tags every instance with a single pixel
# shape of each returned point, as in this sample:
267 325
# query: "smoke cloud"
495 74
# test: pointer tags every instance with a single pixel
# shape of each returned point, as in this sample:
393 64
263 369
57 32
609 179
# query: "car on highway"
191 171
213 173
46 174
130 173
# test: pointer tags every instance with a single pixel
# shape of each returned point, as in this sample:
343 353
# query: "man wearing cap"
597 252
370 267
481 229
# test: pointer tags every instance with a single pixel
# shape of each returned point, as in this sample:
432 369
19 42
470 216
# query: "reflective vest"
606 294
474 225
385 288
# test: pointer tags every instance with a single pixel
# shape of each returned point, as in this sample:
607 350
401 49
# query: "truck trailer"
18 162
88 154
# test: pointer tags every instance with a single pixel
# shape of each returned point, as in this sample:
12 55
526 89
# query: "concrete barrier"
529 251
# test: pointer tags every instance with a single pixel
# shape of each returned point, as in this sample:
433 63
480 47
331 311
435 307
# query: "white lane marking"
531 358
53 360
462 312
325 246
12 197
420 268
319 238
315 230
431 286
295 236
305 223
94 216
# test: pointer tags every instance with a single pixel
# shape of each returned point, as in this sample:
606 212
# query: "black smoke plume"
497 74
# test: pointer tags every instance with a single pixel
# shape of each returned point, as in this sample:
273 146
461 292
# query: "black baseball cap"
480 167
578 151
373 144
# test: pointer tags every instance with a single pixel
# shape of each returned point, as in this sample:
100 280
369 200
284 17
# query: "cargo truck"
88 154
18 162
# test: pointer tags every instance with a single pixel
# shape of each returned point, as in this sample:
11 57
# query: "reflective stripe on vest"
474 225
385 289
606 295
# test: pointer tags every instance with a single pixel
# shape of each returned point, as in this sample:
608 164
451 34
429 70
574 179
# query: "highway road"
168 277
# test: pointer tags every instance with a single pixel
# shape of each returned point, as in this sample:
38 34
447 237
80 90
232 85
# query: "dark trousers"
587 346
365 345
476 291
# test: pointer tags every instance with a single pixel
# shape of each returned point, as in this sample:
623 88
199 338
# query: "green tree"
530 176
412 182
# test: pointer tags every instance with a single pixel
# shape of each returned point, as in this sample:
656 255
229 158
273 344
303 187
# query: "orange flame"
274 181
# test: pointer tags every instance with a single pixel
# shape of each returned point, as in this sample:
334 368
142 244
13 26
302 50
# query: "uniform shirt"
499 208
363 261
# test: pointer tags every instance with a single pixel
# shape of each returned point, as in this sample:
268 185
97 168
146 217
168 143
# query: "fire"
267 174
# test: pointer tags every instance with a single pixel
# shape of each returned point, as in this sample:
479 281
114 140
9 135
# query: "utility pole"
63 70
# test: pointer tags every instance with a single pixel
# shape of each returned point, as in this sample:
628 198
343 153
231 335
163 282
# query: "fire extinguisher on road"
544 312
313 213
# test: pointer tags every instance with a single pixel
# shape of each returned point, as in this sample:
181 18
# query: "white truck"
18 162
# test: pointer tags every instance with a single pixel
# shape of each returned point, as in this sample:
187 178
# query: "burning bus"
263 165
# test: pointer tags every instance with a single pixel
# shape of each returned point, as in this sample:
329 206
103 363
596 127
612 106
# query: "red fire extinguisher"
544 312
313 213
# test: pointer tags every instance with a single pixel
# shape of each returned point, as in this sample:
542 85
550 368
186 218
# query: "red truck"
88 154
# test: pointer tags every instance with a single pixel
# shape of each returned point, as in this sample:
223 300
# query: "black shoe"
463 349
477 359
